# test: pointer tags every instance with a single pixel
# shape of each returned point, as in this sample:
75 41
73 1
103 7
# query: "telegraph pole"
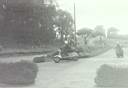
75 24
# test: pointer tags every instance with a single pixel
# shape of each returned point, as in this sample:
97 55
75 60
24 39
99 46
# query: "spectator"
119 51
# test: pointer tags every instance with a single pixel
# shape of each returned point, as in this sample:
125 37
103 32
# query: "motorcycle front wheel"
56 59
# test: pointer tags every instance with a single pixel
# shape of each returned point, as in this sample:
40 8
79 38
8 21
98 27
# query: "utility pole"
75 24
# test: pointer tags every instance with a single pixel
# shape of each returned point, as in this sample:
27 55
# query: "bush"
18 73
112 76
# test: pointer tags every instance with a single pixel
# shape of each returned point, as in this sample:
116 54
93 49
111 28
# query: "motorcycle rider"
66 49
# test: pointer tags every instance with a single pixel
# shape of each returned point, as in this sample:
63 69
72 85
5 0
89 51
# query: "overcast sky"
109 13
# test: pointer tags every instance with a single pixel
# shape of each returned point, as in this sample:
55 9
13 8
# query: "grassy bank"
94 51
28 51
87 51
100 51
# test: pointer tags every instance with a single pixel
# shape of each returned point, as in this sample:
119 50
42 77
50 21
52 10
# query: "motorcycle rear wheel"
56 59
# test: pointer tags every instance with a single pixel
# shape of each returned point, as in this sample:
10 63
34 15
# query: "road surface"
72 74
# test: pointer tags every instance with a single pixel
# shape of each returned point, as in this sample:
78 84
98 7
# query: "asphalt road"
72 74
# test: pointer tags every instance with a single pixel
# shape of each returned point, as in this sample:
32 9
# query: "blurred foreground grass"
18 73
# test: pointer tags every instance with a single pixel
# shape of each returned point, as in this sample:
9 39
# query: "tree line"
28 23
98 31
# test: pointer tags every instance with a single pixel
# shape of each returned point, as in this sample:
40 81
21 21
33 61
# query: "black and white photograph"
63 43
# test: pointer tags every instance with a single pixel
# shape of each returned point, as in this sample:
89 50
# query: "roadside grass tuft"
18 73
111 75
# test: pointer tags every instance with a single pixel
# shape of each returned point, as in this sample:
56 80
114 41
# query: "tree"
32 22
99 29
112 31
64 24
85 33
27 22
